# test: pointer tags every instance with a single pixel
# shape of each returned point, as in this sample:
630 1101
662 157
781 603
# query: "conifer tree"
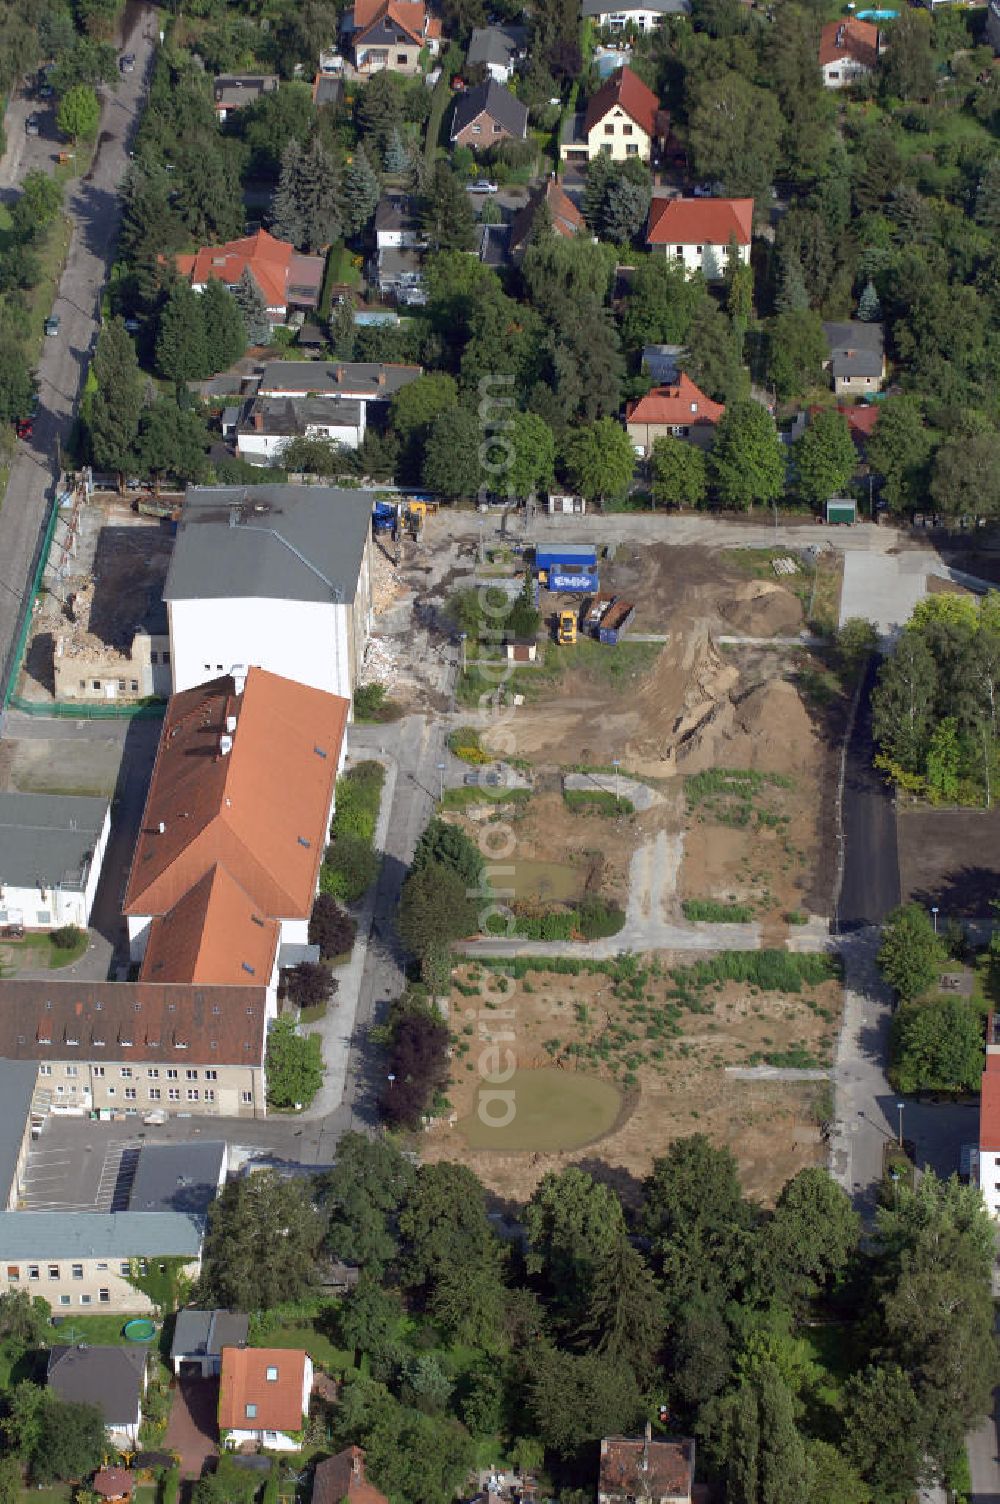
361 193
250 302
869 307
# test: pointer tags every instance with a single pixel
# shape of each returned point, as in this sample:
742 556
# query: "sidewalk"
336 1028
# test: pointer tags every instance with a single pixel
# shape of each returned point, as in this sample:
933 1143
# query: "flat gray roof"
98 1235
48 839
303 543
178 1177
204 1333
17 1086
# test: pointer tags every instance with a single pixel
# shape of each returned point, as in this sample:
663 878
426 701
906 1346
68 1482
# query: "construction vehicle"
566 633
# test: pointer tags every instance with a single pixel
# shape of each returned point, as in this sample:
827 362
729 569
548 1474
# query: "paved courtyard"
193 1428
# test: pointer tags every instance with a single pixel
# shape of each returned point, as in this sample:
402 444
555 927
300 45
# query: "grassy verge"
597 802
469 798
713 912
828 580
37 952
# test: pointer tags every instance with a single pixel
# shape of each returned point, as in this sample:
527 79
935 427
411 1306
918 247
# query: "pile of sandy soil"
768 728
763 608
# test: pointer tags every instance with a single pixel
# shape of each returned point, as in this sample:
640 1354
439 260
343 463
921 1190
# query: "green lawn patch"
469 798
316 1343
597 802
711 911
97 1331
551 1109
36 952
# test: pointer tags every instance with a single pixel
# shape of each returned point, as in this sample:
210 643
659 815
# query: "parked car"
32 126
483 185
45 91
126 63
52 326
24 427
132 326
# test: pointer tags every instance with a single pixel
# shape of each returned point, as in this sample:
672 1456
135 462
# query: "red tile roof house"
564 217
227 861
697 232
656 1472
390 34
848 50
264 1397
343 1478
680 410
623 119
286 280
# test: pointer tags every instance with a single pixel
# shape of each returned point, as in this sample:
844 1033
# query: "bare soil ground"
951 858
670 1063
693 708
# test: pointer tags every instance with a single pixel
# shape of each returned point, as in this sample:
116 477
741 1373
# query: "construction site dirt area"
730 734
664 1047
104 580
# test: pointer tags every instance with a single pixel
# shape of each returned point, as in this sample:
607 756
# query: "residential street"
92 206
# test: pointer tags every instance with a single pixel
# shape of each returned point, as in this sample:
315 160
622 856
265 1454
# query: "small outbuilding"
115 1484
842 511
51 850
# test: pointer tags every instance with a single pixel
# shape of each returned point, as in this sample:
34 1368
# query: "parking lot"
76 1165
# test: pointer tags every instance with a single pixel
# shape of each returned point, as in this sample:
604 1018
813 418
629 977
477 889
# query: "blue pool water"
877 15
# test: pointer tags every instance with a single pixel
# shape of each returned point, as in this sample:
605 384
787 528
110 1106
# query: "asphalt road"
871 862
92 207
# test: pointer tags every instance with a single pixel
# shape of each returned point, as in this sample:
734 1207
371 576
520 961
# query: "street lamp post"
934 914
616 764
899 1109
441 768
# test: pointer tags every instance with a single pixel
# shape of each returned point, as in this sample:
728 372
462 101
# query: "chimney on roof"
647 1438
258 420
381 376
338 374
225 745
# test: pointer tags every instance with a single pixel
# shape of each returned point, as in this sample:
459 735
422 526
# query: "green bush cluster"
350 865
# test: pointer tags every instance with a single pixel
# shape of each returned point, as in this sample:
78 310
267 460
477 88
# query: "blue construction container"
574 556
569 578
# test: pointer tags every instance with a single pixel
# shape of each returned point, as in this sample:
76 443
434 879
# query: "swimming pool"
877 15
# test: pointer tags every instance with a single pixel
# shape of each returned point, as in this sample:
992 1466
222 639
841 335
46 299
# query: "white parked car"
483 185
